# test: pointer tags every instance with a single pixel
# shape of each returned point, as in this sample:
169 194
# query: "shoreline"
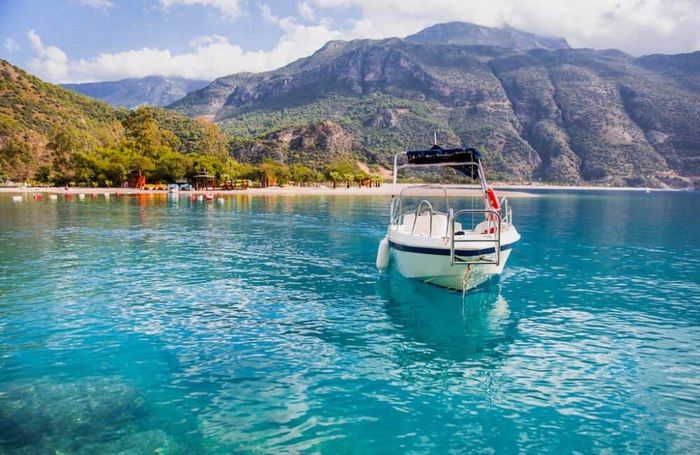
385 190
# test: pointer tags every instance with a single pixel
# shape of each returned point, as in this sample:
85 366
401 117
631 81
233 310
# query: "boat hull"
432 263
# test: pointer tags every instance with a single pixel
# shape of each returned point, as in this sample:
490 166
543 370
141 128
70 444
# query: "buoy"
200 198
106 195
209 196
69 196
17 198
81 196
220 200
37 197
383 253
493 200
53 197
93 195
192 197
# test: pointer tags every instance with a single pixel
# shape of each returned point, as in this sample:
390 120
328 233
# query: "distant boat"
456 248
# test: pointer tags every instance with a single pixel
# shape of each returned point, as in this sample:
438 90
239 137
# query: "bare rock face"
315 143
385 118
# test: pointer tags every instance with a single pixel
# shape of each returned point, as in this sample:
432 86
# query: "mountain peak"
468 34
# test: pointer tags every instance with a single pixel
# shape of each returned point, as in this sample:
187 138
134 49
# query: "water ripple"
260 325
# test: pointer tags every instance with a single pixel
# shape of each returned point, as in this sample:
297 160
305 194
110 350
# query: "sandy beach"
384 190
511 191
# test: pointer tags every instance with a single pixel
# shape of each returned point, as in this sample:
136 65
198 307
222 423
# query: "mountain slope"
43 127
132 93
29 106
562 115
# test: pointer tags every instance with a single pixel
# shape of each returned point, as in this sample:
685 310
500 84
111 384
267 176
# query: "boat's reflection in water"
445 324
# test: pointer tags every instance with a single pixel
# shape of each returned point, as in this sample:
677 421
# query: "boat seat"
422 227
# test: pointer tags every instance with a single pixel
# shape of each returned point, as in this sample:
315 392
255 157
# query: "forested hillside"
55 136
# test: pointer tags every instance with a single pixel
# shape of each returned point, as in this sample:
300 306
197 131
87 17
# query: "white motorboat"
456 248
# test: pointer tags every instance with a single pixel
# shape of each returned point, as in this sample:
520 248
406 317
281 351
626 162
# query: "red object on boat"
493 200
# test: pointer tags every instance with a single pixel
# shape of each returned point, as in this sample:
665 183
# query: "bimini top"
464 160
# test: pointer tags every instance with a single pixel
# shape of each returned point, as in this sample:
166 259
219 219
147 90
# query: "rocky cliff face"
313 144
539 110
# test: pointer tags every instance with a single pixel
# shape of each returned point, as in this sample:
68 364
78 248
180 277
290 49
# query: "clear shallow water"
260 325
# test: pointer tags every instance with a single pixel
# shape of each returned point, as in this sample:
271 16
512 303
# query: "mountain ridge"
135 92
572 116
467 34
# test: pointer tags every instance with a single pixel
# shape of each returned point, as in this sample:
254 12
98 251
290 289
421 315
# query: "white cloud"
638 27
267 15
207 40
306 11
10 45
212 56
50 63
644 27
230 8
97 4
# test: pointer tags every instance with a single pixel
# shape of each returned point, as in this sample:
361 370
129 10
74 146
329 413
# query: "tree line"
138 144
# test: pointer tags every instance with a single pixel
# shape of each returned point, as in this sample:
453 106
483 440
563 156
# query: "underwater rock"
41 412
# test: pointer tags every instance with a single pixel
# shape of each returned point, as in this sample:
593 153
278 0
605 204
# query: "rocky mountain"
538 109
312 145
466 34
132 93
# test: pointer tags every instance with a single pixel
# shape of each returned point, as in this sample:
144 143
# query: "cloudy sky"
98 40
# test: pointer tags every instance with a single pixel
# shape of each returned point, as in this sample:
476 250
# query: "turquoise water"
260 325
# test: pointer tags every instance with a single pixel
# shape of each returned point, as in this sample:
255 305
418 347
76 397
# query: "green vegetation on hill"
55 136
49 135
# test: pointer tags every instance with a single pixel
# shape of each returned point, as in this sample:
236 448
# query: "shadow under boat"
453 326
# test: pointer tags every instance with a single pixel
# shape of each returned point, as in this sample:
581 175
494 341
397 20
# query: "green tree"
64 142
269 169
303 175
214 142
145 137
335 177
17 160
171 166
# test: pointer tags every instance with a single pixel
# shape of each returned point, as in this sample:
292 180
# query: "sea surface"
155 324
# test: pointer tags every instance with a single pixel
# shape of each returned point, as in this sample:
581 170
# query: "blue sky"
89 40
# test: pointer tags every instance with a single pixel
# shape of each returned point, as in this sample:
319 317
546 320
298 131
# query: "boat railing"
397 202
507 211
418 213
492 234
